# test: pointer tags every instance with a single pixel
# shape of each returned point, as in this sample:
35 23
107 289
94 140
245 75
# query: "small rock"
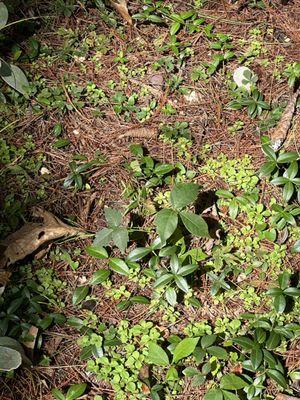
44 171
192 97
76 132
239 77
157 80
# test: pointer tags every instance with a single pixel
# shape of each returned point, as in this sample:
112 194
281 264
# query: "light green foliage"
121 365
50 286
237 173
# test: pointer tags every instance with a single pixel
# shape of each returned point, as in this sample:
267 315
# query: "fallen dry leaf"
279 134
286 397
143 132
121 7
33 235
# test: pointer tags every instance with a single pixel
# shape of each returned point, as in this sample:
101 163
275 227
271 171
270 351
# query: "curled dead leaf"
33 235
121 7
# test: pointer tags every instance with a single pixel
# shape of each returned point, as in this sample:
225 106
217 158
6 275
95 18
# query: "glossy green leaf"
181 283
171 296
184 348
166 222
100 276
3 15
279 303
57 394
157 355
75 391
97 252
256 357
119 266
244 342
14 77
296 247
139 300
194 223
138 253
175 28
80 294
277 377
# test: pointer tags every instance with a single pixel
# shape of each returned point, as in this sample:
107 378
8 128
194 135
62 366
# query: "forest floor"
98 85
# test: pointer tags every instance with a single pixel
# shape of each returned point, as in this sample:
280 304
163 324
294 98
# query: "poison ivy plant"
166 220
114 232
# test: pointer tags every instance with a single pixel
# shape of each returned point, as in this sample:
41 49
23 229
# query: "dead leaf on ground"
33 235
121 7
286 397
143 132
279 134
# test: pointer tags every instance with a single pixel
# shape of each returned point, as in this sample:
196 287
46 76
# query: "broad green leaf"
190 372
175 28
277 377
113 217
184 348
97 252
244 342
6 341
218 352
184 194
57 394
292 291
213 394
194 223
163 169
171 296
166 222
273 340
119 266
279 303
139 300
120 238
75 322
14 77
296 247
288 190
267 168
256 357
80 294
10 359
157 355
103 237
187 269
224 193
163 280
232 382
269 152
3 15
230 396
99 276
182 283
138 253
198 380
287 157
76 391
208 340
